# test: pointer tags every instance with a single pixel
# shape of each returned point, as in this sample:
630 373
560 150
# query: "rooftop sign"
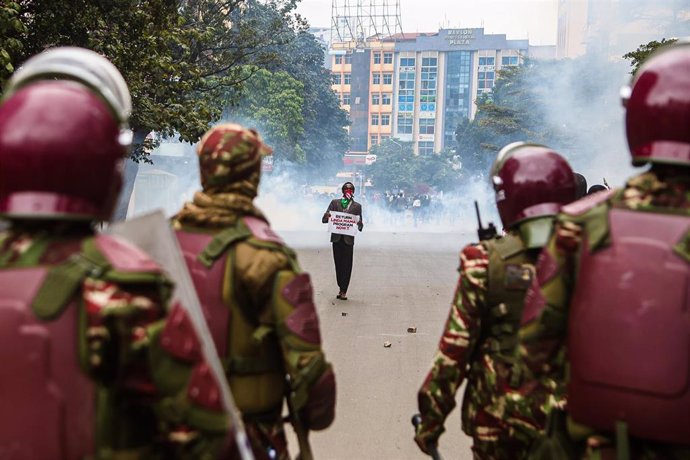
459 36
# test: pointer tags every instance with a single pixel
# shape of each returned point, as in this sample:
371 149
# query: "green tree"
643 51
272 102
175 56
11 28
325 139
321 122
569 105
178 57
397 167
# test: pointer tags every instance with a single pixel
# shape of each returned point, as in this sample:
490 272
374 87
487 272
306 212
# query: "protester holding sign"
342 216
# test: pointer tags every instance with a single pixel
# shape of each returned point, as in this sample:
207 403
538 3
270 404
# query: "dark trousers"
342 256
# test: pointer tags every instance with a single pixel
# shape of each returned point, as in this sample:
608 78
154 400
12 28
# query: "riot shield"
152 233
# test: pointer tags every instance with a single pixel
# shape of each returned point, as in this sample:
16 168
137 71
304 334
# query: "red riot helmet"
530 181
63 137
657 118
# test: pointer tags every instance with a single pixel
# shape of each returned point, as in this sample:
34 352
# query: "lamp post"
396 143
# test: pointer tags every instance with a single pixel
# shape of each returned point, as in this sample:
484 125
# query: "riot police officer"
259 303
89 365
480 336
612 285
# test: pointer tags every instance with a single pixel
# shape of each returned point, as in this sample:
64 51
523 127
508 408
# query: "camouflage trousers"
491 440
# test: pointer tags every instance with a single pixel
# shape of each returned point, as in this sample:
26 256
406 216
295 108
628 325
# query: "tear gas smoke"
580 98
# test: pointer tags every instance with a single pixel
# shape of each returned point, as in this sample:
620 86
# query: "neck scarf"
345 200
217 210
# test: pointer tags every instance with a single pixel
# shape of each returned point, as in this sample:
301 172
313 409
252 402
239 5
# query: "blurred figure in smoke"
343 245
90 368
258 301
611 289
531 182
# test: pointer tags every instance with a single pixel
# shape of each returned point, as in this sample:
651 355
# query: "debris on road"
343 314
386 344
412 329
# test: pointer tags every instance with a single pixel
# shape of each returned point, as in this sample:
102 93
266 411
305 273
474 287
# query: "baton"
432 448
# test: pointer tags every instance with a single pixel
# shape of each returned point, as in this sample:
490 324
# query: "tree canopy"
643 51
176 56
397 167
570 105
317 136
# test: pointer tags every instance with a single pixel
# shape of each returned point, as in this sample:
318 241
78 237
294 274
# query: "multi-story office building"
417 87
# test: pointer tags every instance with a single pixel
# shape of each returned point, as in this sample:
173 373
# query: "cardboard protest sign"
343 223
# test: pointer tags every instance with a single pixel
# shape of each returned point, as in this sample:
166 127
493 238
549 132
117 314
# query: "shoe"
338 296
342 296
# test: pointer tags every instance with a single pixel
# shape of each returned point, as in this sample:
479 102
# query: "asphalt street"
399 280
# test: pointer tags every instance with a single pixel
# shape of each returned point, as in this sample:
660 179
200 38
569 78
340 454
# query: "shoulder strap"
62 281
508 246
222 241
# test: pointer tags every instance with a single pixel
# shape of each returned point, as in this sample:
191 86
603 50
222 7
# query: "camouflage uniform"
123 318
478 343
95 364
544 330
258 301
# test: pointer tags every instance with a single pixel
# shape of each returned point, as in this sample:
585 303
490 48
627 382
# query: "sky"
519 19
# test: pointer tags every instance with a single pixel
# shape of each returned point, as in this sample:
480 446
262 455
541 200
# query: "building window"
377 79
406 62
375 119
485 80
386 99
338 59
427 92
377 58
426 147
375 99
348 59
486 60
406 91
426 125
429 62
373 139
388 58
509 60
347 78
405 123
346 98
387 78
457 93
336 78
385 119
384 138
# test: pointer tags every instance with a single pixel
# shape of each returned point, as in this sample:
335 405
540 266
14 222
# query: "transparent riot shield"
152 233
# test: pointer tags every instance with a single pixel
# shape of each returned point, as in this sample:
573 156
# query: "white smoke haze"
585 99
582 98
295 201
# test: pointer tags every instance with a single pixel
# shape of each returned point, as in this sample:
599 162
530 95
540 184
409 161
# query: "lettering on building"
459 36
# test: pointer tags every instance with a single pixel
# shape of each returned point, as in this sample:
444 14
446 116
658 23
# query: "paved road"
399 280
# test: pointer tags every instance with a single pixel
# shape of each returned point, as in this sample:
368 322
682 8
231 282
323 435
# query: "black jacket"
353 208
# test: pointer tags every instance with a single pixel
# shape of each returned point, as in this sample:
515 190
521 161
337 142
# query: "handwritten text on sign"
343 223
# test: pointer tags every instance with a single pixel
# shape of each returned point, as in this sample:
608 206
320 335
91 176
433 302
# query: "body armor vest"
253 364
629 330
46 400
510 274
